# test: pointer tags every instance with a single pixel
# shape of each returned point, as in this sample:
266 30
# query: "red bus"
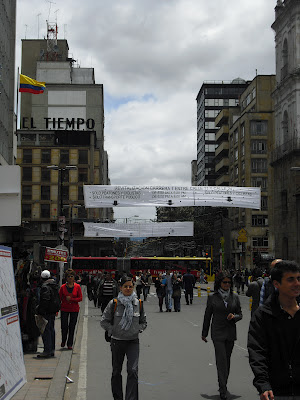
92 265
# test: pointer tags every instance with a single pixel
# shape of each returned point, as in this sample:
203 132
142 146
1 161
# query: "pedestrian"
237 278
274 337
225 310
96 283
107 290
160 291
49 305
243 281
147 279
267 288
168 280
188 281
254 288
139 284
70 295
177 285
123 323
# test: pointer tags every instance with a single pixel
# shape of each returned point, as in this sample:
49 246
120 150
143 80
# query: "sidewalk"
46 378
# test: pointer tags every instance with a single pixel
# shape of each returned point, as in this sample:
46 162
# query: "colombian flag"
30 85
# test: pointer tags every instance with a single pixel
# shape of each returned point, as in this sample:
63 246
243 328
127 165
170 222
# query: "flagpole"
17 112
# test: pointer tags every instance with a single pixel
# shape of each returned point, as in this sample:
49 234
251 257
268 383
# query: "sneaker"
43 355
70 348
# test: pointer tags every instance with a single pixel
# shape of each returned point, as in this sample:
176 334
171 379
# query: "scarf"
225 295
127 316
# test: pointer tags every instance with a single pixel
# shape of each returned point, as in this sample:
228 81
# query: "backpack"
54 306
106 336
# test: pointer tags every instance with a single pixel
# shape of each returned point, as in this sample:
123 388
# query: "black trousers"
188 295
120 348
68 323
223 350
49 335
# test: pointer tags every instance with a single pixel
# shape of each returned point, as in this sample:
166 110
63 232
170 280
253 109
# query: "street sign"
242 238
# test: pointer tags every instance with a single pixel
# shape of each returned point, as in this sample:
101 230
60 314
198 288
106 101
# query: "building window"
243 149
81 212
264 203
46 156
65 175
260 241
258 128
83 157
259 165
26 210
45 192
259 220
80 193
82 174
27 174
236 154
45 210
258 146
242 131
64 157
65 192
236 171
236 136
45 175
26 192
259 181
27 156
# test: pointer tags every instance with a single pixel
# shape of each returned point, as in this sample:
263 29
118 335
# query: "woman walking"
70 295
160 291
225 310
177 285
124 319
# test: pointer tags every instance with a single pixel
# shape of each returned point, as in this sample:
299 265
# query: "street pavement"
174 362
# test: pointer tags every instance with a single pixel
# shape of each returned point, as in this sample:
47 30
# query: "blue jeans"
49 335
168 299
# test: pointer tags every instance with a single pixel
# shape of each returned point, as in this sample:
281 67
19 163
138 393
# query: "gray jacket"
221 328
138 325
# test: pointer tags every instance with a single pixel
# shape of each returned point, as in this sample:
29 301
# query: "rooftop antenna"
26 30
50 2
38 18
55 12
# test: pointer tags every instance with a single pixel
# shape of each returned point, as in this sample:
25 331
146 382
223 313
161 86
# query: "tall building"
245 139
286 153
60 148
7 82
212 97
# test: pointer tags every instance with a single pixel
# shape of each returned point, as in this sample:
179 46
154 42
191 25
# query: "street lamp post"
71 238
60 215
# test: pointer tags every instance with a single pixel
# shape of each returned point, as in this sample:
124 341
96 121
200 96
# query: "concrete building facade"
286 152
245 138
212 97
63 129
7 82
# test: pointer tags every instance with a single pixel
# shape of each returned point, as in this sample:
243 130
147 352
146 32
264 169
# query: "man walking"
274 337
48 306
188 286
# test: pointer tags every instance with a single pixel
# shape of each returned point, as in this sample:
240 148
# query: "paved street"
174 362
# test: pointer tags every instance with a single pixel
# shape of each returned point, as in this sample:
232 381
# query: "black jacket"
45 303
274 366
221 328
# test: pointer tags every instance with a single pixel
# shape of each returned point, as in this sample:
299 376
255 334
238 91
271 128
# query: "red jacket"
76 297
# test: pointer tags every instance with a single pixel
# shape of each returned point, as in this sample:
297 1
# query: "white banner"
155 229
98 196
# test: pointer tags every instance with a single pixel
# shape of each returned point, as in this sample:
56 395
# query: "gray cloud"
156 54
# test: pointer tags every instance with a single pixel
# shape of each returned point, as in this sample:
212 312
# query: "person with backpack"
124 319
254 289
49 305
268 288
70 295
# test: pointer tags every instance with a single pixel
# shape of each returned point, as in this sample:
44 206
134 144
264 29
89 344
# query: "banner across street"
155 229
98 196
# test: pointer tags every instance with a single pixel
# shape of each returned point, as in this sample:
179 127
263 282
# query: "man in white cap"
49 305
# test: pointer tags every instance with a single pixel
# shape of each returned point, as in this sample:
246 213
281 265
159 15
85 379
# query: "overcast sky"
152 57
